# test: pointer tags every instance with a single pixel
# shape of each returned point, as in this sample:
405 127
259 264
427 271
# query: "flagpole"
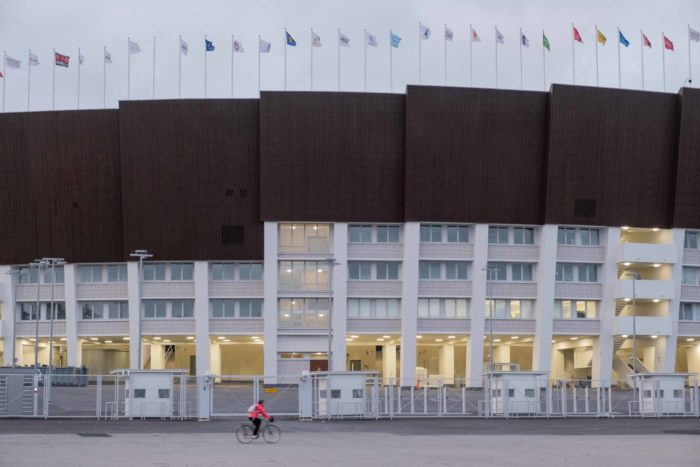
690 68
445 41
4 77
285 59
420 69
79 66
391 62
104 77
544 68
53 82
470 55
619 68
495 33
153 91
179 67
128 68
521 58
641 50
205 66
597 80
573 55
338 59
311 51
663 58
29 76
365 59
258 64
232 52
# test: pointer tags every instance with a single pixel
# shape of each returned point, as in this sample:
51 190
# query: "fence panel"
21 395
233 395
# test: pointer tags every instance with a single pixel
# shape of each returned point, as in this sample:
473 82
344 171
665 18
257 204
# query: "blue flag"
208 46
290 40
394 40
623 40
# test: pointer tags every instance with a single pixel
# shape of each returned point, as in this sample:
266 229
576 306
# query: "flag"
499 37
133 47
623 39
371 39
108 57
667 43
449 35
600 36
184 48
12 62
209 46
343 40
395 39
545 42
524 40
33 60
61 60
238 46
577 36
475 36
1 75
315 40
264 46
290 40
646 41
693 35
424 32
81 59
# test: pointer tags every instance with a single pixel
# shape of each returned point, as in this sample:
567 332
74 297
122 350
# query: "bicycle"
270 433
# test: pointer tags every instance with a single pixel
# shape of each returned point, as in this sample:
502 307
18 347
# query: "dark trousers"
256 422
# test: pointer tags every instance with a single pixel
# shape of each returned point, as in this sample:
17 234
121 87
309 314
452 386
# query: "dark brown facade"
475 155
61 190
687 202
190 179
611 158
332 156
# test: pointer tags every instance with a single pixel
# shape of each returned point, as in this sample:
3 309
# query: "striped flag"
61 60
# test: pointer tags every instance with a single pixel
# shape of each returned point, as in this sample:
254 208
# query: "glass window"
587 273
92 310
387 270
380 308
497 271
589 237
59 309
222 271
28 275
360 234
430 270
360 270
154 309
498 235
182 309
523 235
564 272
250 272
181 271
566 236
48 274
304 238
223 309
686 312
388 233
89 274
250 308
423 307
27 311
118 310
521 271
116 273
689 275
691 240
456 270
154 272
431 233
457 234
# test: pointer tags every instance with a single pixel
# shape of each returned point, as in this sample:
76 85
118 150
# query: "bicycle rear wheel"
244 434
272 434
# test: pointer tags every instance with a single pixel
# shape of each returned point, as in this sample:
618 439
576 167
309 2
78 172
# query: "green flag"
545 42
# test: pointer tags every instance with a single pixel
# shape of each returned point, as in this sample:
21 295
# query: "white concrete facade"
564 302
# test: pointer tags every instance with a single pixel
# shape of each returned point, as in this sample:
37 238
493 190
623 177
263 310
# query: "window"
250 272
28 276
304 275
431 233
116 273
222 271
430 270
521 271
250 308
529 393
223 309
497 271
509 309
387 270
304 238
388 233
163 393
690 312
59 310
691 240
523 235
589 237
182 309
154 309
92 310
89 274
181 271
357 393
456 270
457 234
27 311
442 308
360 234
154 272
566 236
139 393
575 309
360 270
118 310
564 272
59 275
587 273
380 308
690 275
498 235
303 312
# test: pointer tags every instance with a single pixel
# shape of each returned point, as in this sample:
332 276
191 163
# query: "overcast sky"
91 25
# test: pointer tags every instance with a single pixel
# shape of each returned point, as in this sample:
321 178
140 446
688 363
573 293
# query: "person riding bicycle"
256 411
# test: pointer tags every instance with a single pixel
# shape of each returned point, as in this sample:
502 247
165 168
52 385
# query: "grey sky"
44 25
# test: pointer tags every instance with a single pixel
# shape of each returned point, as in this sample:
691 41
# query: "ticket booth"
339 394
516 393
150 393
664 393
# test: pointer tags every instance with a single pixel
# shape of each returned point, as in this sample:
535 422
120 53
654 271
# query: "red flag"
1 75
667 43
577 36
62 60
646 40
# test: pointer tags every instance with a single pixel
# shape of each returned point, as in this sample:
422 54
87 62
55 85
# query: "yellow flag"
601 37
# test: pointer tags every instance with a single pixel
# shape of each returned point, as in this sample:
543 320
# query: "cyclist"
255 411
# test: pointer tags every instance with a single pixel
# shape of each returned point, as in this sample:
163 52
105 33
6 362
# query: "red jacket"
258 410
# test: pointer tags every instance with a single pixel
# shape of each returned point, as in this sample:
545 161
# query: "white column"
340 296
134 312
447 363
501 353
73 345
668 361
215 357
9 315
270 277
409 306
544 306
201 318
388 361
693 356
475 345
603 346
157 357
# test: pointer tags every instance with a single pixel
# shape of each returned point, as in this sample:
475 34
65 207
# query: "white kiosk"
664 394
149 393
516 393
340 394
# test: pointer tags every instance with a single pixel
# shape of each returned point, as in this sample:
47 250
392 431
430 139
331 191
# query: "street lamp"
18 273
635 277
490 270
331 263
141 255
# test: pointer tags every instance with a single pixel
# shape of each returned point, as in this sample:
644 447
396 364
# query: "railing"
463 251
387 289
507 289
374 325
235 289
578 290
168 326
28 328
444 325
528 253
580 254
235 325
444 288
168 290
576 326
102 291
375 251
27 292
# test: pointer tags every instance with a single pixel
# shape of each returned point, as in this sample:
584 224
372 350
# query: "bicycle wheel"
244 434
272 434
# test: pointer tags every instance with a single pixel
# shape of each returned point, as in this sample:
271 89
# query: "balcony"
580 254
690 293
581 290
102 291
302 325
691 257
168 326
444 325
27 292
644 289
444 288
462 251
366 289
154 290
528 253
646 325
233 289
28 328
576 326
375 251
689 328
374 325
646 253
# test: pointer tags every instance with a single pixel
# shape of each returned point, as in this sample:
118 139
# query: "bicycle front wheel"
244 434
272 434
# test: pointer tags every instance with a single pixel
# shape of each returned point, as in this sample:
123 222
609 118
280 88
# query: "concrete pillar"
601 370
662 347
7 286
157 357
78 352
693 355
648 354
409 305
388 361
270 277
134 314
446 363
544 305
215 357
72 342
556 368
201 317
340 297
478 313
667 363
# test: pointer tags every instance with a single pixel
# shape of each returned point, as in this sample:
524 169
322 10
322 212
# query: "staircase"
622 361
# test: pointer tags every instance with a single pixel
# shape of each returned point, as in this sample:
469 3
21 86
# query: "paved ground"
571 442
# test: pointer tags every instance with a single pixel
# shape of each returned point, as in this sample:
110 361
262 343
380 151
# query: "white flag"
524 40
264 46
693 35
371 40
33 60
108 57
238 46
315 40
475 36
449 35
499 36
134 47
343 40
12 62
81 59
424 32
183 47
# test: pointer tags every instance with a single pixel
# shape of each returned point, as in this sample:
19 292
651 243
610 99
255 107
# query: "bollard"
413 401
464 400
585 394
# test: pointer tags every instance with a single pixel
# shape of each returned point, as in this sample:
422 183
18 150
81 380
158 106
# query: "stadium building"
403 233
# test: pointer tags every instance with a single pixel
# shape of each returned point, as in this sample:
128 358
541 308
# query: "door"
319 365
193 365
355 365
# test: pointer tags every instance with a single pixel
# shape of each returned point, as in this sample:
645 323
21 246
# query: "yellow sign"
270 390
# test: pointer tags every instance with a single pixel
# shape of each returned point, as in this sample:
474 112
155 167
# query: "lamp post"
331 263
141 255
490 269
18 273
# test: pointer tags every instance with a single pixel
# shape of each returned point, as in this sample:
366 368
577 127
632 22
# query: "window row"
159 309
509 309
29 275
437 270
443 308
374 234
304 238
28 311
514 235
247 308
497 271
567 272
300 312
373 270
104 310
575 309
235 272
102 273
444 233
374 308
690 312
173 271
578 236
303 275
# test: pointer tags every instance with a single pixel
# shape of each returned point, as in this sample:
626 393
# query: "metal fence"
232 395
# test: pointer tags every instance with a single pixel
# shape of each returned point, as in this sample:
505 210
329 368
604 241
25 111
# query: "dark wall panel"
190 172
331 156
611 157
687 202
60 194
475 155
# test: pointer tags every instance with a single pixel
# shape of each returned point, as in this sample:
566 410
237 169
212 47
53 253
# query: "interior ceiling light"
657 265
627 264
